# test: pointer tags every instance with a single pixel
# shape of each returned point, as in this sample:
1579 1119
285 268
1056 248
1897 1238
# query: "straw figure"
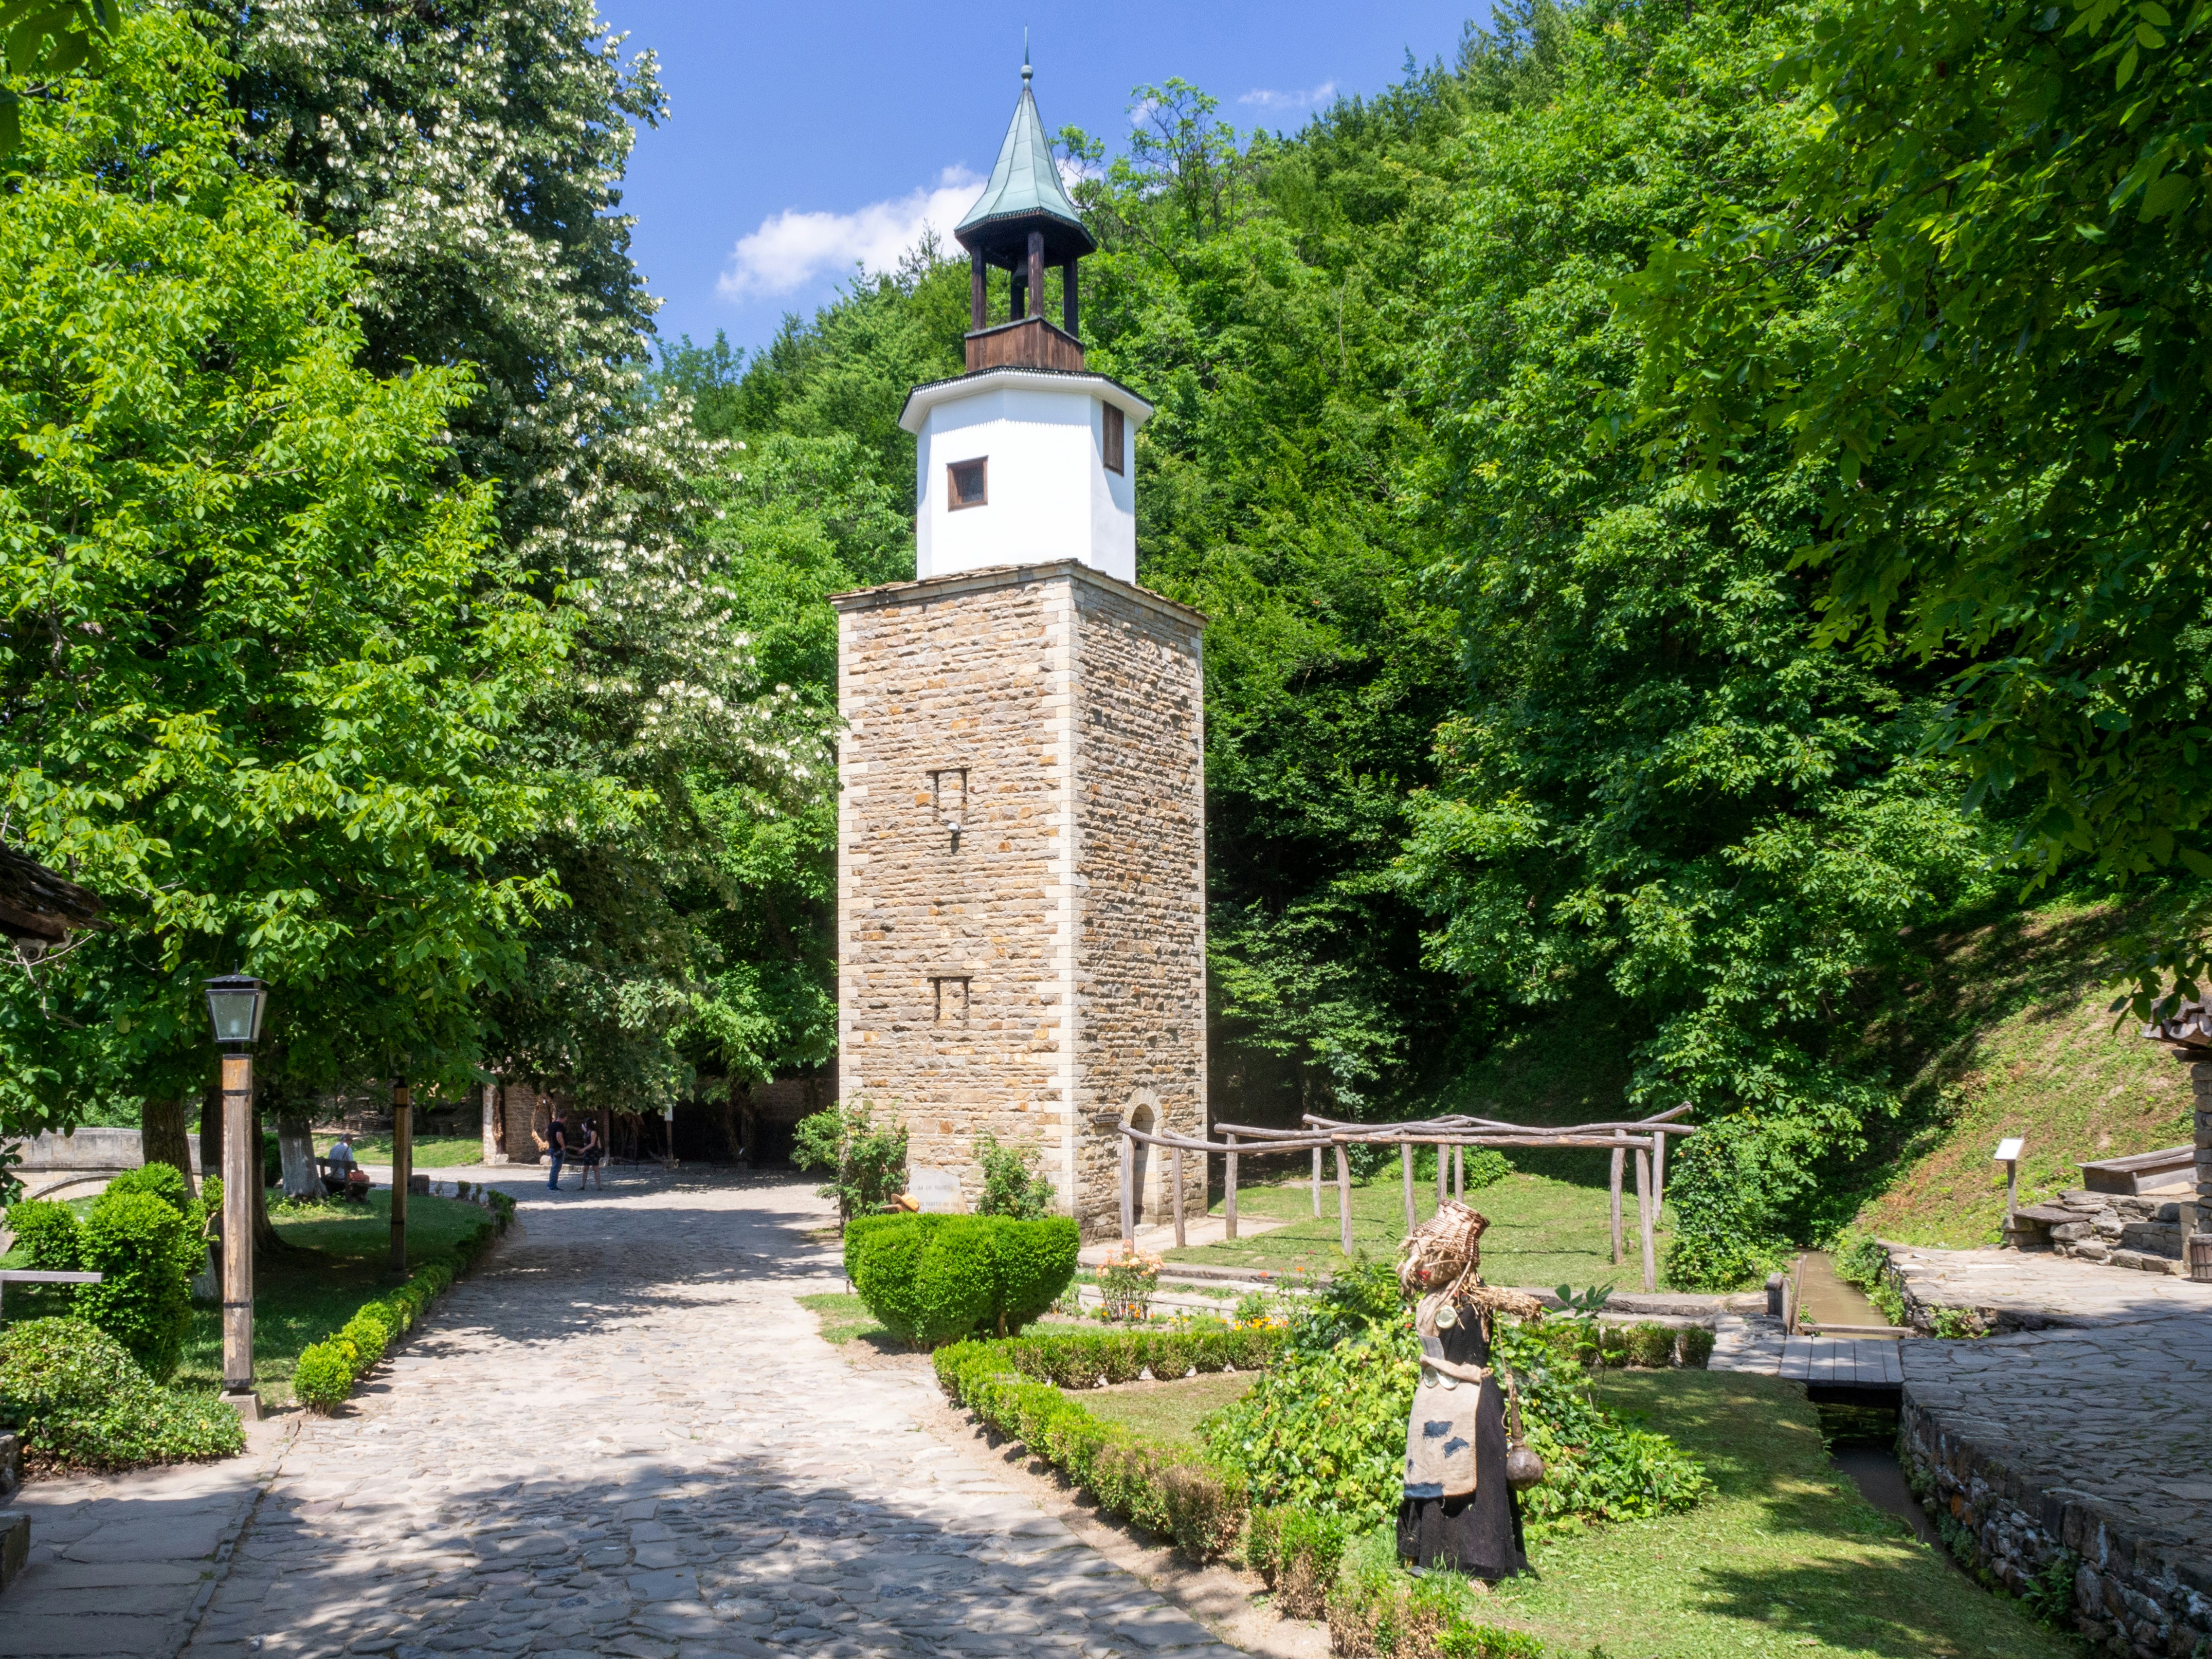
1460 1509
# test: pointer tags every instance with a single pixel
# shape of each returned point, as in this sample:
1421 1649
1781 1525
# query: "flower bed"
328 1369
1014 1387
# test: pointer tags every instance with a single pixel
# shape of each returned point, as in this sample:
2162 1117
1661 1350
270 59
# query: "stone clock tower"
1021 836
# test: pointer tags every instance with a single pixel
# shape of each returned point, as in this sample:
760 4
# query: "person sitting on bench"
346 1175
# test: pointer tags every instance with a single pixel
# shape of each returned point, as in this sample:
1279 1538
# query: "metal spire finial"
1025 55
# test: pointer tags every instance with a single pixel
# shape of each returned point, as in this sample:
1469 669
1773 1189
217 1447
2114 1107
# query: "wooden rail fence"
1644 1138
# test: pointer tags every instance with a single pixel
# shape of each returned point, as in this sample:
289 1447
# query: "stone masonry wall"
963 955
963 674
1140 841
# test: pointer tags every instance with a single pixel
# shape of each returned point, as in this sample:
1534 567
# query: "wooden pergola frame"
1645 1138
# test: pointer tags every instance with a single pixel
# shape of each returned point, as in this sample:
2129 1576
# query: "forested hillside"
1663 603
1528 757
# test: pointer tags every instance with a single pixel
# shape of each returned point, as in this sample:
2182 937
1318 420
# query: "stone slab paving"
623 1436
2028 1290
125 1564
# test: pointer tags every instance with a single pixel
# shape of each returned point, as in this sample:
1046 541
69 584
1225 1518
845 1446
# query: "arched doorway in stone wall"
1143 1115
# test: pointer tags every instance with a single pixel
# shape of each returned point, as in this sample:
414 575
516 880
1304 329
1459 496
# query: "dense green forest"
1681 543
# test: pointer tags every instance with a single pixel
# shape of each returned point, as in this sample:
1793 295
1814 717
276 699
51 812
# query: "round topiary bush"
79 1400
323 1376
928 1283
138 1241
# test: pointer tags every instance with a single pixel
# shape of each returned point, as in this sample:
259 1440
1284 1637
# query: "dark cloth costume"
1477 1532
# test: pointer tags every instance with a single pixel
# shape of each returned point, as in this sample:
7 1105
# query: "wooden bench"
338 1186
2145 1172
33 1276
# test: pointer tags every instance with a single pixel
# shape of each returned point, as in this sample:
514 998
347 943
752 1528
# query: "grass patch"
1164 1410
429 1151
1786 1559
302 1294
1544 1232
844 1318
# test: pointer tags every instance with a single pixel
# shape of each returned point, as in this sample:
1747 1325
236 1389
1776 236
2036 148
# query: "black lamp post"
235 1003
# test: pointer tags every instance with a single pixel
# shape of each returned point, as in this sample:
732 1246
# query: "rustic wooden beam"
1614 1188
1405 1169
1128 1201
1344 1198
1180 1241
1317 1183
1229 1191
1643 1209
403 1169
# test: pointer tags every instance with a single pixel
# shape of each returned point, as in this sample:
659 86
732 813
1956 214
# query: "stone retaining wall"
2079 1448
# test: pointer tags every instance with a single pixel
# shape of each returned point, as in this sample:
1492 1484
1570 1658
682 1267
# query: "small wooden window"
951 1001
1114 441
965 484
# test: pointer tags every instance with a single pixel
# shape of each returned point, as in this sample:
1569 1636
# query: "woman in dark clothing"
1459 1510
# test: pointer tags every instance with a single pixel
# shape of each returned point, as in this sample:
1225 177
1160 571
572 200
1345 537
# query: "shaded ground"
337 1261
1544 1232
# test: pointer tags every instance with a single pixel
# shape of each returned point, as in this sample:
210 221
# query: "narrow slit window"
967 484
1113 440
948 796
951 1001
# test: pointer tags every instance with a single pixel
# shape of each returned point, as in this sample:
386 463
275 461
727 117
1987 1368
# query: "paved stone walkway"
2030 1289
624 1437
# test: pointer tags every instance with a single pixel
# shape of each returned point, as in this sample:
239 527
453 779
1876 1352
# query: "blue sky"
804 136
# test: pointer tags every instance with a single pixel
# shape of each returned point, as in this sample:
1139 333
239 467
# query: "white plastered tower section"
1021 916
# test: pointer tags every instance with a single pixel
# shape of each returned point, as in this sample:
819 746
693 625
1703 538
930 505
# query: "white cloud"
1267 99
792 248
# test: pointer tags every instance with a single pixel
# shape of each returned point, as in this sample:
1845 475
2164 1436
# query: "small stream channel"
1860 1425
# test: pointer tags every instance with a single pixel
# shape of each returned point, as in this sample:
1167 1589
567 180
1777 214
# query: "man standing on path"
556 1143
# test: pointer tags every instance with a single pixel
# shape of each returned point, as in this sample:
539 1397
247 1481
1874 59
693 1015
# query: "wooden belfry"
1023 224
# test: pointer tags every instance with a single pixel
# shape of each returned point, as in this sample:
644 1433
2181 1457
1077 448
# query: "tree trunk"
265 1230
162 1131
295 1145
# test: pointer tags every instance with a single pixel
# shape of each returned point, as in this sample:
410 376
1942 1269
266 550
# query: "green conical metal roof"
1024 188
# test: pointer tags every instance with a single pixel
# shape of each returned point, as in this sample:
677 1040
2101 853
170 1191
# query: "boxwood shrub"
932 1279
1174 1490
79 1400
327 1370
145 1235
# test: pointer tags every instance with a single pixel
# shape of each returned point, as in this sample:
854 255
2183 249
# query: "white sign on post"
939 1190
2008 1151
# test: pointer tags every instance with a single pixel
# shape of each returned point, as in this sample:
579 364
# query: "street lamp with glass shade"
235 1003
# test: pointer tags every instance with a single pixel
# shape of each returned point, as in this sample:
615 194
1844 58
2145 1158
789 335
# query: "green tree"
1970 299
1664 805
258 667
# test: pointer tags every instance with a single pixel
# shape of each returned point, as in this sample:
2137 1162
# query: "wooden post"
1128 1198
1658 1174
979 289
1068 315
1036 271
1317 1183
403 1169
1459 1173
1344 1198
1643 1209
1617 1135
241 1176
1406 1169
1178 1197
1229 1189
1444 1170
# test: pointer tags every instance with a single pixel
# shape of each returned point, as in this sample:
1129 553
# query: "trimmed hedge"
1173 1490
933 1278
1082 1360
1298 1552
80 1401
328 1369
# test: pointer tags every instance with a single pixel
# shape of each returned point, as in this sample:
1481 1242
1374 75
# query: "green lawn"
1787 1560
430 1151
302 1294
1165 1411
1544 1232
845 1318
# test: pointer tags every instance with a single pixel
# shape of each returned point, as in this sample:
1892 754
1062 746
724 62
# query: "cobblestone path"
624 1437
